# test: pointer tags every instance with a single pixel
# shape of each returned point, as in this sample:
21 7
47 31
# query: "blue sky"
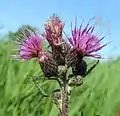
14 13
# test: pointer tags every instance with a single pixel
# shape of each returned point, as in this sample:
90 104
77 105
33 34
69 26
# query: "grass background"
99 95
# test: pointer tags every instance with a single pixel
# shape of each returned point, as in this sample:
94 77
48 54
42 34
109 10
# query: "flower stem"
64 99
64 95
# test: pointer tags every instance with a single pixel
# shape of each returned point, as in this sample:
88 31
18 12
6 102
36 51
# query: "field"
99 95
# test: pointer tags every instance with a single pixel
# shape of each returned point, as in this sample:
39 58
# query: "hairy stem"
64 99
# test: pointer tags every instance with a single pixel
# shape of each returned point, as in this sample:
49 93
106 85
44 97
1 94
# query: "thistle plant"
64 53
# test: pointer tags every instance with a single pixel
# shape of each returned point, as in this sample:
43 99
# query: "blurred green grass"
99 95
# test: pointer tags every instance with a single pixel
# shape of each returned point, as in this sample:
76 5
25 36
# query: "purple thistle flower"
53 34
30 46
85 42
53 31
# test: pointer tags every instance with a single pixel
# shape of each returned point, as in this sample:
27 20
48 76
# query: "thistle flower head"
30 46
85 42
53 31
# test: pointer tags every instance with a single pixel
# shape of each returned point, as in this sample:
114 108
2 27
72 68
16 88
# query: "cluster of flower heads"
82 43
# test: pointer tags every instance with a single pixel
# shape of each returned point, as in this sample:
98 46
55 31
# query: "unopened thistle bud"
75 81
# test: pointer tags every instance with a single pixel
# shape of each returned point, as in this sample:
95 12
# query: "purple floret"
85 42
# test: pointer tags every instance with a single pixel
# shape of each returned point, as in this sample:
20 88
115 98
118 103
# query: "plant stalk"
63 109
64 99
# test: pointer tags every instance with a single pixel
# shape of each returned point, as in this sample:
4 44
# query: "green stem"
64 99
64 95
